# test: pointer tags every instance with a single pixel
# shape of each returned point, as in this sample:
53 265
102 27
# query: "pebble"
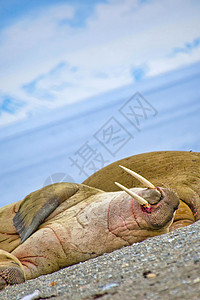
109 286
35 295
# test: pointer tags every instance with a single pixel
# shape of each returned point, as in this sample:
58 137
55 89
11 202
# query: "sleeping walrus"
66 223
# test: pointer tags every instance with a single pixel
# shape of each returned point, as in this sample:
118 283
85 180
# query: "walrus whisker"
139 177
138 198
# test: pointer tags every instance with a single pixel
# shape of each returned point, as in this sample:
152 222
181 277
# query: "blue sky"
53 53
68 66
12 10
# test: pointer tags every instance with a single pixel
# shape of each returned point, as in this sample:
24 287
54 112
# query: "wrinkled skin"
65 223
178 170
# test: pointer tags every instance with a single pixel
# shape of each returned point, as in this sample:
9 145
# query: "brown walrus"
177 170
66 223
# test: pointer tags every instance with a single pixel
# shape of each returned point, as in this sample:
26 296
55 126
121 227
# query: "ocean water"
72 142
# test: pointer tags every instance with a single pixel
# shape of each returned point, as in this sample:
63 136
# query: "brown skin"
87 224
177 170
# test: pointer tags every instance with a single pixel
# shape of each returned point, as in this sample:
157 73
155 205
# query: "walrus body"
66 223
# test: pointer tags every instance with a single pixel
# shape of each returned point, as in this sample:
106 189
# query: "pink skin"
134 222
102 223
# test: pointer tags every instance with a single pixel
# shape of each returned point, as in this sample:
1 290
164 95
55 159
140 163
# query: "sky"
70 72
55 52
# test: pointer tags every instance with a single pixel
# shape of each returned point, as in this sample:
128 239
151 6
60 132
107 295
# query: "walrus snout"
154 206
171 198
153 196
160 214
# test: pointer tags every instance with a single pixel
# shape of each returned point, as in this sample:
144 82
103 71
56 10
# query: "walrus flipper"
37 206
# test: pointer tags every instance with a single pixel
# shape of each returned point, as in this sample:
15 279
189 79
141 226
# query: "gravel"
163 267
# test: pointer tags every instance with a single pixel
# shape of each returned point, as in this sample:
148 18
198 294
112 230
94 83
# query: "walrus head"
153 208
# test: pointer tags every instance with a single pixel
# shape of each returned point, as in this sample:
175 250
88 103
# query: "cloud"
10 109
139 73
9 104
187 48
170 63
67 52
45 85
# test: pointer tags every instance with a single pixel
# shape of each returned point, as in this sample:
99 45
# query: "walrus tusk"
138 198
139 177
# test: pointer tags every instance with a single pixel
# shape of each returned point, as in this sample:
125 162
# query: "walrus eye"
138 198
143 180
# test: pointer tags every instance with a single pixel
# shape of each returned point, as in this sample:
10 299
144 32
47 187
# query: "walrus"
67 223
177 170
